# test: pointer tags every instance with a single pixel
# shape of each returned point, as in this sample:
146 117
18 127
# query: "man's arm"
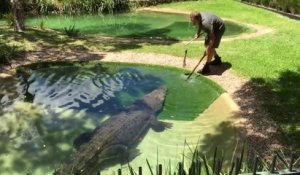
197 35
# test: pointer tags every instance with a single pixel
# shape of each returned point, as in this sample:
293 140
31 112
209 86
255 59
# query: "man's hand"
197 36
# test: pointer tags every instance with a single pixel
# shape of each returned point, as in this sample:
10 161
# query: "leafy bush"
290 6
77 6
42 24
6 53
9 18
71 31
87 6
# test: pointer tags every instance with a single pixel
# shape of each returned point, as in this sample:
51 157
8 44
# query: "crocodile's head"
156 98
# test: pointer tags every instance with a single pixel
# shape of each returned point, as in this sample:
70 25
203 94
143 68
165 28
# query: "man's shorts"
219 31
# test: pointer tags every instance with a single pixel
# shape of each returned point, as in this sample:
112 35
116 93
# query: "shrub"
71 31
6 53
290 6
77 6
9 19
42 24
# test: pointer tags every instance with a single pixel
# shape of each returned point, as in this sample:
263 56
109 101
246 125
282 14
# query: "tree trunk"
18 8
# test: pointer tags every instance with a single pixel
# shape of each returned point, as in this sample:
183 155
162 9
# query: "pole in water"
184 59
204 54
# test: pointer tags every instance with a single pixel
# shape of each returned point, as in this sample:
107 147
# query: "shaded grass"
280 97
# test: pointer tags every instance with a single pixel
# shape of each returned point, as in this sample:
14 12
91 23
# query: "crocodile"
118 133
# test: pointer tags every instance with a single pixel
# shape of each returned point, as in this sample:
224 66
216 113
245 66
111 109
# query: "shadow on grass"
225 140
53 45
280 97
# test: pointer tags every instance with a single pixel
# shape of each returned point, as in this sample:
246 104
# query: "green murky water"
142 24
53 105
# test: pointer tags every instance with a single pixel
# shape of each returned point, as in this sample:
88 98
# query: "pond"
141 24
51 107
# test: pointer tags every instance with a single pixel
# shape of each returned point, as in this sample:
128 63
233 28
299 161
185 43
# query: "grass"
271 62
138 24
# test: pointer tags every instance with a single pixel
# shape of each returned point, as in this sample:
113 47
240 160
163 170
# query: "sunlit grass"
140 24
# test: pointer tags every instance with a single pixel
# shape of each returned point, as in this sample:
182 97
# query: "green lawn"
271 62
141 24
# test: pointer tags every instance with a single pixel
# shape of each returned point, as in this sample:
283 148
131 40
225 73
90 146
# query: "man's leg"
219 34
217 60
209 53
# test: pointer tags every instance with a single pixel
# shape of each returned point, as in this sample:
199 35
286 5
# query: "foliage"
77 6
71 31
156 2
88 6
6 53
244 161
290 6
9 18
42 24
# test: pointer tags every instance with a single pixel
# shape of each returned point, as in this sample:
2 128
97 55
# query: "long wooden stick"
184 59
204 54
186 50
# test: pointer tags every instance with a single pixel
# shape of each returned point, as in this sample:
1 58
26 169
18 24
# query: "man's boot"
217 61
205 70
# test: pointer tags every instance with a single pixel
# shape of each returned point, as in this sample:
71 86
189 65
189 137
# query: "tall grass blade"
131 171
242 156
205 165
237 169
198 163
273 164
282 159
255 165
149 167
291 162
170 168
231 168
214 160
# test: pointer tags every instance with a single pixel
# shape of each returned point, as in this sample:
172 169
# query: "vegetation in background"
9 19
289 6
81 6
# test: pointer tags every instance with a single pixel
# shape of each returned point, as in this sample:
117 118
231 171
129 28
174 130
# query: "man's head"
195 18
